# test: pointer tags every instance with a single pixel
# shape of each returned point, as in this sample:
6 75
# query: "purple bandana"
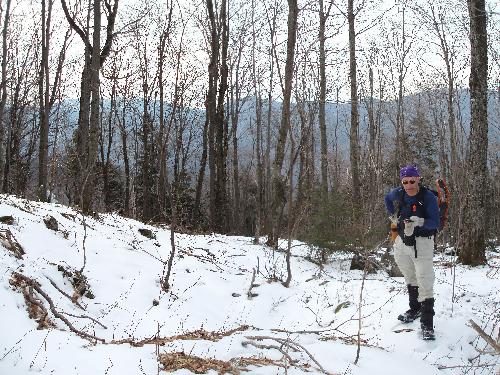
408 171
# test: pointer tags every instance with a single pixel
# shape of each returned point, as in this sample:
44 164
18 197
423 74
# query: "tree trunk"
322 99
353 137
162 137
472 246
88 118
162 146
278 180
217 131
201 171
267 158
3 83
126 164
44 109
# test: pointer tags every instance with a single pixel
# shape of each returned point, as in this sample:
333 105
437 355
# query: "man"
417 218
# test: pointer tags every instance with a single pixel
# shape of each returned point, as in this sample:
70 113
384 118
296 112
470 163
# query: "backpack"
442 193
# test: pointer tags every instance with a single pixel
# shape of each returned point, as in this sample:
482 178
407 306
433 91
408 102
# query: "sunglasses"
411 182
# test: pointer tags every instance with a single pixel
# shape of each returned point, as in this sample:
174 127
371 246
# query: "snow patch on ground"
210 279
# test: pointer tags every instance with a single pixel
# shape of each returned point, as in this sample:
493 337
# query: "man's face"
410 184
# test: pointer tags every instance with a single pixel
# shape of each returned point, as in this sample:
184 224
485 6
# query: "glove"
419 221
409 227
394 219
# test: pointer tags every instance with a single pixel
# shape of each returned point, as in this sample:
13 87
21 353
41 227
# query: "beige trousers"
417 271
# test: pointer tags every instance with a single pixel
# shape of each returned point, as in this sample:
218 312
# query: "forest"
284 119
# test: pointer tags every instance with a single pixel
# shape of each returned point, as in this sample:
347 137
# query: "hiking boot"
409 316
414 311
427 332
427 319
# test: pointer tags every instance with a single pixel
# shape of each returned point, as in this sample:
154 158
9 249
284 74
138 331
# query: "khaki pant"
417 271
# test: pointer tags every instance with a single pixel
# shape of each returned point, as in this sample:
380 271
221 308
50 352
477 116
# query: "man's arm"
389 199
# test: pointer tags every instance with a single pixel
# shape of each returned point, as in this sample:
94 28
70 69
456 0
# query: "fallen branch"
290 343
8 240
32 283
278 348
180 360
64 293
199 334
39 315
87 317
442 367
485 336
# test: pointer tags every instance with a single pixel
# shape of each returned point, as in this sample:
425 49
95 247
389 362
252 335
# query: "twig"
64 293
485 336
249 293
87 317
359 310
43 344
262 346
292 344
466 366
57 314
13 346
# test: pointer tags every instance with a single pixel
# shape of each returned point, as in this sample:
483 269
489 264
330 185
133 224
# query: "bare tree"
279 189
88 119
163 133
323 16
272 23
235 103
3 83
258 143
217 123
47 95
353 137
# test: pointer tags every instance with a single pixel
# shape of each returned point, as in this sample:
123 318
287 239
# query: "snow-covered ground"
310 327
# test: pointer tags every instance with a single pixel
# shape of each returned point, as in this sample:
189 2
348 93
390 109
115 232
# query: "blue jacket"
424 204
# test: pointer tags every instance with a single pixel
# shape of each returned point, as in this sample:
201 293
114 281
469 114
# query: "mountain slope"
310 327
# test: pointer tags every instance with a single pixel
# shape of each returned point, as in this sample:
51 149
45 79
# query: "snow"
124 269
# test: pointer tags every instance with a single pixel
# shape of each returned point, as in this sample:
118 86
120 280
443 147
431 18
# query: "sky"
316 318
423 63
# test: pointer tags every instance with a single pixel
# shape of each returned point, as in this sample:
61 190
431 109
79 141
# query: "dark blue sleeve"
432 211
393 195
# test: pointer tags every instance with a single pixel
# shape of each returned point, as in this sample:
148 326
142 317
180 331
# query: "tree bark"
88 118
322 98
279 189
473 241
3 84
217 131
44 110
353 137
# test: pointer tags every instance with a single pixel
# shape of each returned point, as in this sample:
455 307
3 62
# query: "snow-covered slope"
310 327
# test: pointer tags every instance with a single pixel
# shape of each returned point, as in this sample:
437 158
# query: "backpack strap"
421 194
401 201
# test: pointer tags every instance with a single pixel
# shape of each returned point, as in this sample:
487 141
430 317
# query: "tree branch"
75 27
57 314
485 336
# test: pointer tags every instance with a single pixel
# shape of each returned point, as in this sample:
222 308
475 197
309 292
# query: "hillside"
215 317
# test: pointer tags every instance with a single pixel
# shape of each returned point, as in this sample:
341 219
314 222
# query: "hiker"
417 218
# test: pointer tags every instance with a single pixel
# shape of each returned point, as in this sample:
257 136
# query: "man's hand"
394 218
419 221
411 223
409 227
